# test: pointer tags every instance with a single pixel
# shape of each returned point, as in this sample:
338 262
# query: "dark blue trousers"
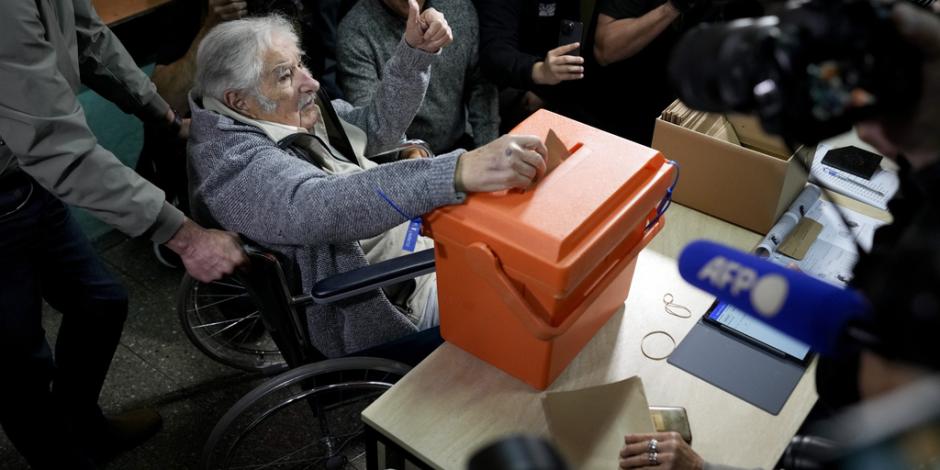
49 404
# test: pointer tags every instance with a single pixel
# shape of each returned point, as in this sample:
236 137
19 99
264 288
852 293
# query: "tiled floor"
155 365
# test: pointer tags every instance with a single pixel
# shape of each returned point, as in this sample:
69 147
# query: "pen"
834 174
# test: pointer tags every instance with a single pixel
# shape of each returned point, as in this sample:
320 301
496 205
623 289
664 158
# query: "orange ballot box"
525 279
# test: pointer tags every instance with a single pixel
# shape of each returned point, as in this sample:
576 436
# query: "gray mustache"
305 100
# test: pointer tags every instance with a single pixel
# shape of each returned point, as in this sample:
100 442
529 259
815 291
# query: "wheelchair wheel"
307 417
221 320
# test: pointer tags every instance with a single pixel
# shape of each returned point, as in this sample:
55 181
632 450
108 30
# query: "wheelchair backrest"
283 313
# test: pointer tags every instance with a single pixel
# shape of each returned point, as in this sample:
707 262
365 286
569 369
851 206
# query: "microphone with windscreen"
813 311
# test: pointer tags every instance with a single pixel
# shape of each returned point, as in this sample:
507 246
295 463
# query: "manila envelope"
801 238
588 425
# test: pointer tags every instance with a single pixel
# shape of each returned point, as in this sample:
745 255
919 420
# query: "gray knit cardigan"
457 94
247 184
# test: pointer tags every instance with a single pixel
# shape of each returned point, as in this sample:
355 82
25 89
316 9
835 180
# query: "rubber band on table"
670 305
657 332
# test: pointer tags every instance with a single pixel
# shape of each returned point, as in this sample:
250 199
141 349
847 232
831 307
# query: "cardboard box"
743 186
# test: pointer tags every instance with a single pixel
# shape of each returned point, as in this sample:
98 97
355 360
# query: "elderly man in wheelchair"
271 157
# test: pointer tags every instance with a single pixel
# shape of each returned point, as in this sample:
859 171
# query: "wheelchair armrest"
357 281
391 154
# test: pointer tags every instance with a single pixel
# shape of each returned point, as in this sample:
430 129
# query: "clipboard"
738 367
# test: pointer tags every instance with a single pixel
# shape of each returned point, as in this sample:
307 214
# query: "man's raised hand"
427 30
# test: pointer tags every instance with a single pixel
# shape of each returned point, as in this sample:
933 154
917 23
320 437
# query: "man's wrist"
420 49
675 8
175 122
181 241
538 73
458 179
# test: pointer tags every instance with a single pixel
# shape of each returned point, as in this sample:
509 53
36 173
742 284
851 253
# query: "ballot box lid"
557 232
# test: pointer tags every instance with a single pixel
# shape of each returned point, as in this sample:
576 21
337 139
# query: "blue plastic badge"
414 227
411 237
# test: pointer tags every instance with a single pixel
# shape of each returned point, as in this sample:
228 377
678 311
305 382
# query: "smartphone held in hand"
569 32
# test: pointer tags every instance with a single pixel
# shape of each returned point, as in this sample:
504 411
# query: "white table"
452 404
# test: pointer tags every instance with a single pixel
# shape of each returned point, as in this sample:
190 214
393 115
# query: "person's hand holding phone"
558 66
563 62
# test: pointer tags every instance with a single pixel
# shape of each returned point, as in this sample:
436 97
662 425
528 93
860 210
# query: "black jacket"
515 34
900 276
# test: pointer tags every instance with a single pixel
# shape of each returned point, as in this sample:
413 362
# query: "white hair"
231 57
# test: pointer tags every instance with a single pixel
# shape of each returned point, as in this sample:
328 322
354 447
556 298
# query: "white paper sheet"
875 192
833 255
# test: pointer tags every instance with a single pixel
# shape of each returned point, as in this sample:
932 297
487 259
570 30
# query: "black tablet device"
740 324
854 160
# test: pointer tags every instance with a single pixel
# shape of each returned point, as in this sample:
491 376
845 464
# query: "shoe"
166 256
127 431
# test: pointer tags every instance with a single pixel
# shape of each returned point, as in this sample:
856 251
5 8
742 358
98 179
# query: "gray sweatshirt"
278 198
459 100
49 48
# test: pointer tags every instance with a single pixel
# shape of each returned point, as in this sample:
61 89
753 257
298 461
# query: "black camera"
518 452
809 72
